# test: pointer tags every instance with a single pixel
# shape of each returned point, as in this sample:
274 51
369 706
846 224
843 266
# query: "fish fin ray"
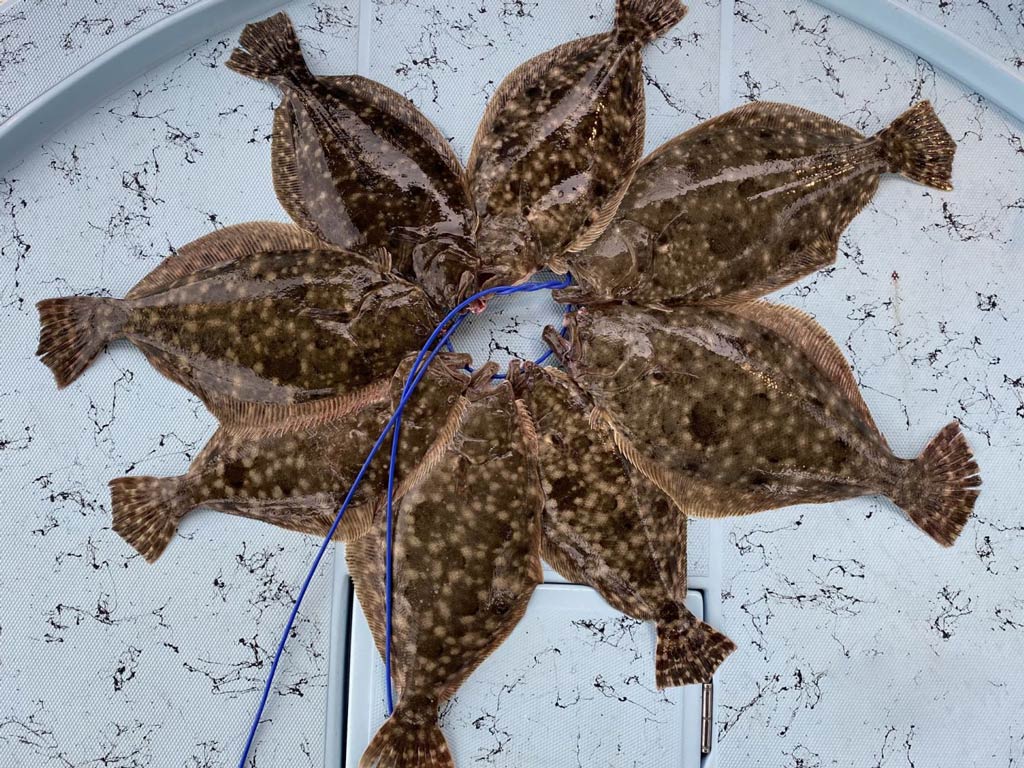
269 49
917 145
287 185
648 20
604 215
146 511
364 558
942 486
74 330
693 497
689 651
773 116
408 739
253 419
816 343
224 246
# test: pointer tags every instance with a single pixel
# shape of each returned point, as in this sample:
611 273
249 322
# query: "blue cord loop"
444 330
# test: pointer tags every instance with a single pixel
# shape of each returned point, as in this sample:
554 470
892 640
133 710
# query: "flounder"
466 560
735 411
255 312
291 465
607 526
749 201
558 144
358 165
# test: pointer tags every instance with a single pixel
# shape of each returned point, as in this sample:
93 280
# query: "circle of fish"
681 392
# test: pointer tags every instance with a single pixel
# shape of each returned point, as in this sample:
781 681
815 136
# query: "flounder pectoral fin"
222 247
805 332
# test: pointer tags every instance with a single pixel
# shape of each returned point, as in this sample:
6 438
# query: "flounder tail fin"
646 20
75 330
940 489
408 739
918 145
270 50
147 510
689 651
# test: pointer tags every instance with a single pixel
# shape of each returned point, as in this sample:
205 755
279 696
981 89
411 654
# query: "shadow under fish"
259 312
748 202
732 412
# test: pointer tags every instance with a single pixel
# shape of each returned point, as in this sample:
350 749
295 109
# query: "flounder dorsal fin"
247 420
804 331
286 173
224 246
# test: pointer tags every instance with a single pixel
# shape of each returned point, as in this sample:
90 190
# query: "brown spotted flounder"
291 465
736 411
357 164
366 556
607 526
260 312
559 142
749 201
466 560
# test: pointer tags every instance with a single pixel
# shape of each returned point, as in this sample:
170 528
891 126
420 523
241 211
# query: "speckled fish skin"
607 526
421 426
559 142
734 412
259 312
357 164
467 559
750 201
290 465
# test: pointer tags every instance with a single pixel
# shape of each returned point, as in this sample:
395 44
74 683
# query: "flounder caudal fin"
918 145
648 19
940 490
146 511
689 651
408 739
75 330
273 51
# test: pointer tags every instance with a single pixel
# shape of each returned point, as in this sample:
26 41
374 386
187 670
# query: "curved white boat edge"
116 68
950 53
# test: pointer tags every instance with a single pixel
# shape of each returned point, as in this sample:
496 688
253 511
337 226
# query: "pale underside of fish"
260 312
557 146
736 411
292 465
358 165
608 527
467 558
748 202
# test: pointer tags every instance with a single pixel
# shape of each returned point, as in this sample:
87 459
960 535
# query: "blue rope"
525 288
415 376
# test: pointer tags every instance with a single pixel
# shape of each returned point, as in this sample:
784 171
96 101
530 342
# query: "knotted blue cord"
415 376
